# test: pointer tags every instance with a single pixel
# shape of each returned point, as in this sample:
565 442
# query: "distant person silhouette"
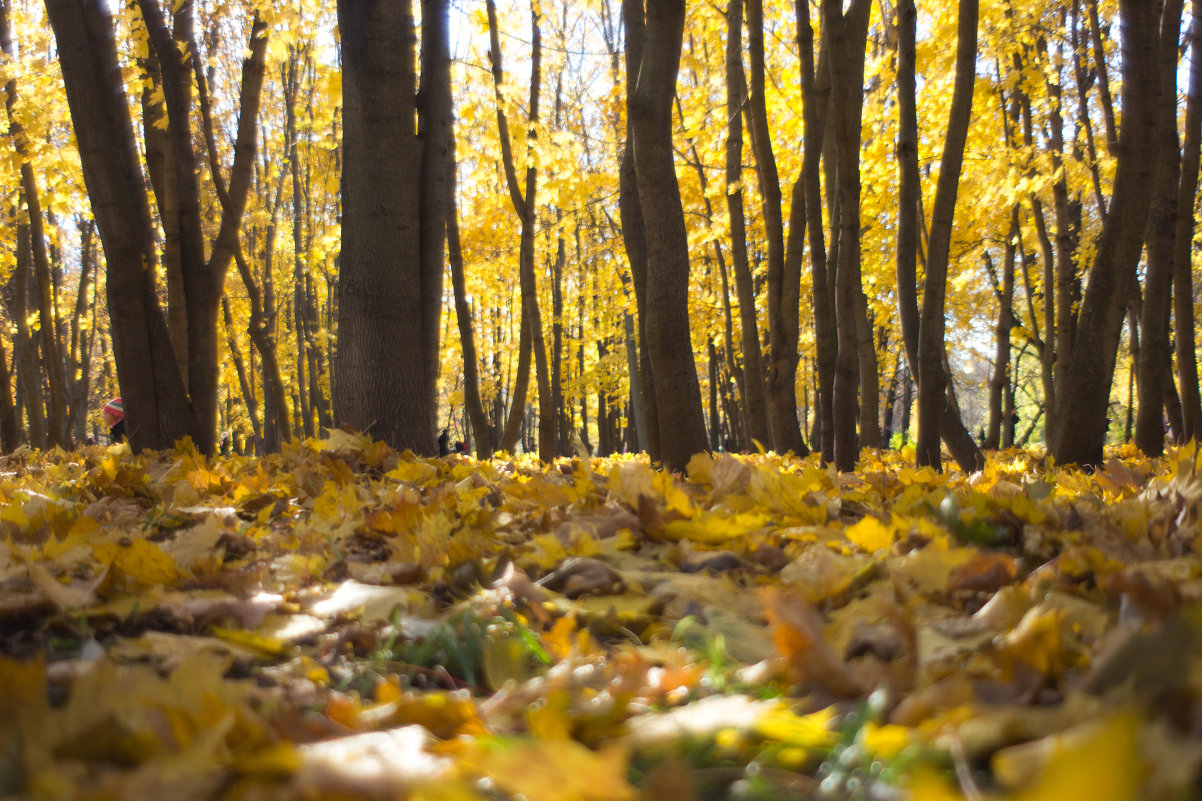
114 418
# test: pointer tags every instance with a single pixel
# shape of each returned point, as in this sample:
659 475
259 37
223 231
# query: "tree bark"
846 49
1079 425
784 276
158 411
753 372
931 377
682 424
482 431
524 207
1183 290
56 418
815 85
395 155
634 235
1155 352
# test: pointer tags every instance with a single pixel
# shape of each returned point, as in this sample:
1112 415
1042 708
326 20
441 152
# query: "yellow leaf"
554 770
141 560
1101 764
870 534
248 639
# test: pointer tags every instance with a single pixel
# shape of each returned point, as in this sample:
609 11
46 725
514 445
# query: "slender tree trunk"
29 377
1183 290
932 380
483 433
1000 379
10 431
784 276
56 422
634 236
753 373
816 94
248 396
79 352
846 48
524 206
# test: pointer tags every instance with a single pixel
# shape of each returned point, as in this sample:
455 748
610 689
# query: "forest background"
1016 179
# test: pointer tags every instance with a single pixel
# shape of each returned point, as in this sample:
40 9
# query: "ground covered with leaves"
340 621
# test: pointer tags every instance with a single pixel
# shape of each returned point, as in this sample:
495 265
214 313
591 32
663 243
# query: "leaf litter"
341 621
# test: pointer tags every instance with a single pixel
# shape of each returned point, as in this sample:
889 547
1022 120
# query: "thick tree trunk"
394 153
1079 424
1155 348
158 411
682 424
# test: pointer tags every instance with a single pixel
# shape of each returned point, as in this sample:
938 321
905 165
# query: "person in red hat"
114 418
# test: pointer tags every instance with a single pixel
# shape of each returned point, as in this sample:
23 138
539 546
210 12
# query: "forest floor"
338 622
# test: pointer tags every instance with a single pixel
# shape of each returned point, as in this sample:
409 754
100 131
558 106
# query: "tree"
1079 423
923 335
678 394
753 372
784 275
395 191
933 404
634 234
844 33
524 206
157 408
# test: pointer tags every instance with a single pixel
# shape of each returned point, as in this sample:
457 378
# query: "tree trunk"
248 396
784 276
815 85
1000 379
931 377
524 206
845 42
634 236
1155 348
753 373
682 424
56 420
1079 424
395 173
79 355
484 434
157 409
1183 290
